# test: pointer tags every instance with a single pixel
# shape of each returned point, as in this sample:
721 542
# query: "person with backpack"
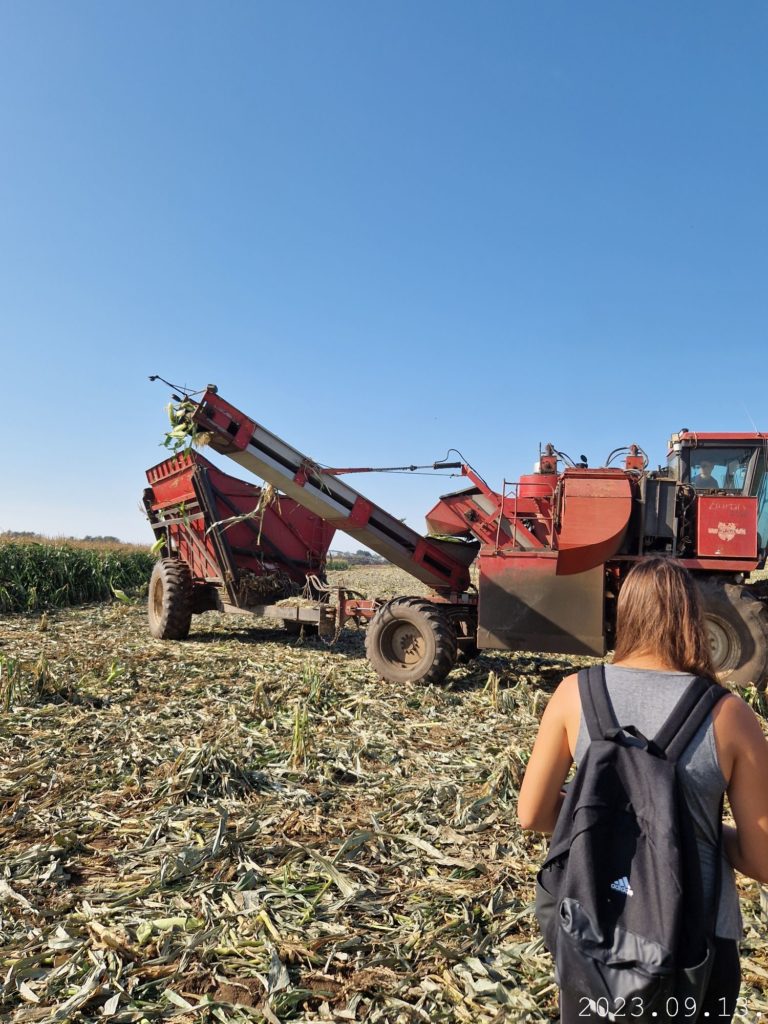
637 899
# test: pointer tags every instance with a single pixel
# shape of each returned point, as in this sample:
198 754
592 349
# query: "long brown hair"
659 612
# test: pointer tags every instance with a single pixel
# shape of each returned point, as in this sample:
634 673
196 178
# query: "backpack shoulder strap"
595 704
688 716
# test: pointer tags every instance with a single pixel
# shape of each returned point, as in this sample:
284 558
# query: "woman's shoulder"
568 690
568 707
738 733
733 717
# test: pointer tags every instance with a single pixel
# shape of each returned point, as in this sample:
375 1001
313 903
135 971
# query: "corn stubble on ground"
250 827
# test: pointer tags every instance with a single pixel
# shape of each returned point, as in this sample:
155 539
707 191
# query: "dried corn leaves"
251 827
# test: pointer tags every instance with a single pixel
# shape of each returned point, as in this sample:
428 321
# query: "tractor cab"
732 464
720 469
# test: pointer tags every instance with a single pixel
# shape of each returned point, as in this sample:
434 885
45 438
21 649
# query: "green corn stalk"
756 699
183 430
35 577
115 671
158 546
42 677
300 736
10 677
314 684
262 704
121 595
492 689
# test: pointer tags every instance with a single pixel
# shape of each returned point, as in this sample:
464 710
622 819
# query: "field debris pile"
249 826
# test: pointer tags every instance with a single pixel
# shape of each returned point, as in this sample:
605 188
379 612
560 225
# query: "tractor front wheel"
170 600
410 640
737 627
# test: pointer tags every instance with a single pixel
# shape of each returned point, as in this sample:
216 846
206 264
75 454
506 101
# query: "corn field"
37 575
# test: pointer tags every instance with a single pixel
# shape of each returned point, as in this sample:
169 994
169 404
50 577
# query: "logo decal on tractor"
727 531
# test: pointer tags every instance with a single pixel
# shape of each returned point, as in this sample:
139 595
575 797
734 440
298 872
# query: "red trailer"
232 546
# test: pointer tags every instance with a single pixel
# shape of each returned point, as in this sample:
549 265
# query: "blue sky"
383 229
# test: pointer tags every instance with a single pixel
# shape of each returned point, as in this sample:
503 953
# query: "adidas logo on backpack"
622 885
624 816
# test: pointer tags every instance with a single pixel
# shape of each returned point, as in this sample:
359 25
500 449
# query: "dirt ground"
249 826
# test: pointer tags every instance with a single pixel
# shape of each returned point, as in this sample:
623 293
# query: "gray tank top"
644 698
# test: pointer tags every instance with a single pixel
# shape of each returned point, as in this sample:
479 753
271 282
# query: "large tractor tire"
410 640
737 625
170 600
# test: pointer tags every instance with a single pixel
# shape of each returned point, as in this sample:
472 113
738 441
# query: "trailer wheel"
170 600
737 625
410 640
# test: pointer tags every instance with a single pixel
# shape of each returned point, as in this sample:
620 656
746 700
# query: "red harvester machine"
551 550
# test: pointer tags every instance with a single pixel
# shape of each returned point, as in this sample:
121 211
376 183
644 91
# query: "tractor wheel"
170 600
410 640
737 625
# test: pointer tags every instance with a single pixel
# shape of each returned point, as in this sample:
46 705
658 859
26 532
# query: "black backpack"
619 898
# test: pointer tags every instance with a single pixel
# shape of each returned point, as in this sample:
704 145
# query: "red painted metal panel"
361 512
694 435
432 557
730 565
280 536
727 526
595 513
449 515
282 528
525 521
692 438
537 485
171 481
229 420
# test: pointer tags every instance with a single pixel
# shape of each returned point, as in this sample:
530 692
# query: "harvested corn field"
250 827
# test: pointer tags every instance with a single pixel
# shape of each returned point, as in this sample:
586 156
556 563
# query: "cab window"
761 490
722 469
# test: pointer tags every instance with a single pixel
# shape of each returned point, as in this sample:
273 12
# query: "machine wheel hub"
406 644
722 643
157 596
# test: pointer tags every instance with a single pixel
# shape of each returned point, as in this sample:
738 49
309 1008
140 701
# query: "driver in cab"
704 481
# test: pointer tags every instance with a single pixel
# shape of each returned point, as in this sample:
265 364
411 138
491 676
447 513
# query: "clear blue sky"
382 228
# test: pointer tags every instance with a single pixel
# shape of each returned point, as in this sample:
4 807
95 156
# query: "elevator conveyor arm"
267 456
